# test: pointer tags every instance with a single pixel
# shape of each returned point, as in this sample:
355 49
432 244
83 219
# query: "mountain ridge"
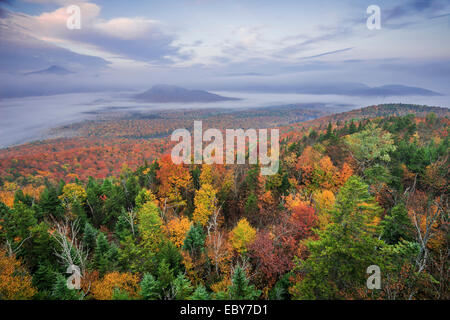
163 93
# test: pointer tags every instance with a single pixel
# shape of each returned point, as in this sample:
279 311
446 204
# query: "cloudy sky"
226 44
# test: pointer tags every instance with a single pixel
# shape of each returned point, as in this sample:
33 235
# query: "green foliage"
195 240
89 236
345 248
105 255
150 287
251 205
170 254
370 146
240 288
49 204
62 292
120 295
397 226
44 279
182 287
200 293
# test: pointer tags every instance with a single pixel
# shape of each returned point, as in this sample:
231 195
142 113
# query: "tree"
350 244
62 292
177 229
105 254
89 235
71 251
150 287
15 282
174 183
242 236
49 203
200 293
324 201
205 204
72 194
125 282
195 240
150 226
181 287
397 225
370 146
240 288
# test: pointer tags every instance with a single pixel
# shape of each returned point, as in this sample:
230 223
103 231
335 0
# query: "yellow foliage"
205 204
15 282
177 229
324 201
125 282
72 193
206 175
242 236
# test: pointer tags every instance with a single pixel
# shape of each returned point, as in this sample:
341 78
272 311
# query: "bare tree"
71 250
130 217
14 249
425 230
216 239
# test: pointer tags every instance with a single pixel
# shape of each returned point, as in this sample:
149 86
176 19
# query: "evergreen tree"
350 243
182 287
90 236
397 226
195 240
62 292
200 294
150 287
240 288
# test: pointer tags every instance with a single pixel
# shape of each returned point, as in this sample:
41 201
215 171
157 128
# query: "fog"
29 119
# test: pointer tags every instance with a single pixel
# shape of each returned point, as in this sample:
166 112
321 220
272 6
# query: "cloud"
309 42
21 52
413 11
328 53
134 38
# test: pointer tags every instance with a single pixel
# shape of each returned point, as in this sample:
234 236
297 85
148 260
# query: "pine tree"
182 287
397 225
200 294
100 253
44 279
352 129
240 288
150 287
195 240
90 236
62 292
350 243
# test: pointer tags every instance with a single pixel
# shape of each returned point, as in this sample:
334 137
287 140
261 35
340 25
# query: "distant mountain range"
167 93
51 70
337 88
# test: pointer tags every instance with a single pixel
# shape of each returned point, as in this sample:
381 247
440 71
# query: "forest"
355 189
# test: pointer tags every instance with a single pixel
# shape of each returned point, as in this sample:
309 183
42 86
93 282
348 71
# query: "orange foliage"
176 230
125 282
15 282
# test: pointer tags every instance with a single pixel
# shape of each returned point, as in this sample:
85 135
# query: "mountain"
52 70
399 90
167 93
336 88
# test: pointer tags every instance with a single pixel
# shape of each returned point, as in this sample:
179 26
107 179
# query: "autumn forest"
354 189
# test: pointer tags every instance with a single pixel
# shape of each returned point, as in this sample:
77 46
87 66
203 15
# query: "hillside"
371 191
166 93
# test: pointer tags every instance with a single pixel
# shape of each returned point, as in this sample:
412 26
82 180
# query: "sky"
272 46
